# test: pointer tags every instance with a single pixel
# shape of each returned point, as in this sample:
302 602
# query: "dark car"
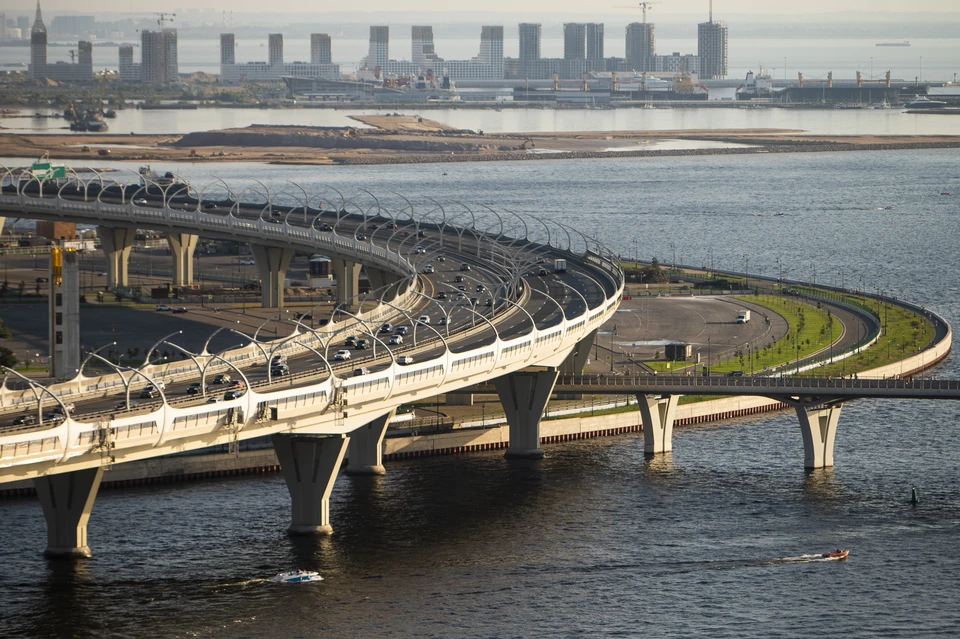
735 374
279 371
326 227
181 309
361 237
148 393
232 395
372 227
362 344
25 420
209 205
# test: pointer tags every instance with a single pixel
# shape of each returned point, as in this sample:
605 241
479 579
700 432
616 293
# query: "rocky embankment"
799 147
344 138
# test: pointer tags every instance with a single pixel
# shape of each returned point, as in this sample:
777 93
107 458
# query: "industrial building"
275 69
80 72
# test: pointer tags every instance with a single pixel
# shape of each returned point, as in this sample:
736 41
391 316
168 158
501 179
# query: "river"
595 540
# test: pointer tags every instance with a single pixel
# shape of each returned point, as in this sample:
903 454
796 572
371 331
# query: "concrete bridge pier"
365 450
117 241
818 425
576 361
310 464
657 412
272 263
524 396
182 246
67 500
348 280
380 279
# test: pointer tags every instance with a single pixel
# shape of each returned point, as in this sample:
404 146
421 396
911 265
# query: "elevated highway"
424 270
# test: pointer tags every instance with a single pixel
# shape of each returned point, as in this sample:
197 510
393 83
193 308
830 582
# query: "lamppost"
708 356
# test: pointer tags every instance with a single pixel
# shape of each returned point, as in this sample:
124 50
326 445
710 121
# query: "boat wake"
804 559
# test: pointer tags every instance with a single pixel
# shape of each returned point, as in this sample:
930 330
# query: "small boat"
837 555
923 102
297 577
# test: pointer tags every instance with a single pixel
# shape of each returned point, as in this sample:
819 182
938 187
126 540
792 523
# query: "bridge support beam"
365 450
819 428
310 465
272 264
348 280
524 396
67 500
117 241
657 413
576 361
380 279
182 246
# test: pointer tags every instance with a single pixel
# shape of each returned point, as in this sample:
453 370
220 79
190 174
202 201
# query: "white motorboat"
297 577
923 102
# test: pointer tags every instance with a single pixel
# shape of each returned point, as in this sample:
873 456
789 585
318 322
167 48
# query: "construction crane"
163 18
642 5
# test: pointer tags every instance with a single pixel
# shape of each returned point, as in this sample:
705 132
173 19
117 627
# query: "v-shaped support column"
819 428
657 413
365 450
310 465
117 243
272 264
67 500
524 396
182 246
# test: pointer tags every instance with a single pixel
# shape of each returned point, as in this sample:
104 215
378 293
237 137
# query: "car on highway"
361 237
421 233
443 320
209 206
391 226
386 328
362 344
461 296
25 420
341 355
421 251
461 288
373 226
441 258
237 394
442 295
403 330
214 400
303 316
180 310
279 371
489 302
735 374
58 409
326 228
235 384
351 341
43 280
428 269
464 266
541 271
395 340
363 370
163 307
149 393
196 388
276 360
140 201
123 405
423 319
404 359
458 279
481 288
220 378
473 301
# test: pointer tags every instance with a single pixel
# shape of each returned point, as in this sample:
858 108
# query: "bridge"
526 335
423 268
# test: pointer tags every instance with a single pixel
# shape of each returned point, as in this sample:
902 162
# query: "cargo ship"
903 43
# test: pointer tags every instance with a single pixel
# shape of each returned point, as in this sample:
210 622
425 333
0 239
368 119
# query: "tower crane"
643 5
163 18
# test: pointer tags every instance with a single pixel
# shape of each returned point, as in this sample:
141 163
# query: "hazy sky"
314 8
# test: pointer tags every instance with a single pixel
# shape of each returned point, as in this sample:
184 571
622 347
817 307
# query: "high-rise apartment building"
3 26
228 49
422 47
491 50
712 48
379 53
275 48
130 71
641 46
594 41
158 52
530 34
574 41
321 49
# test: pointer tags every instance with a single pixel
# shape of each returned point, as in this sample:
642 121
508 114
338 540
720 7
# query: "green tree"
4 331
7 358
